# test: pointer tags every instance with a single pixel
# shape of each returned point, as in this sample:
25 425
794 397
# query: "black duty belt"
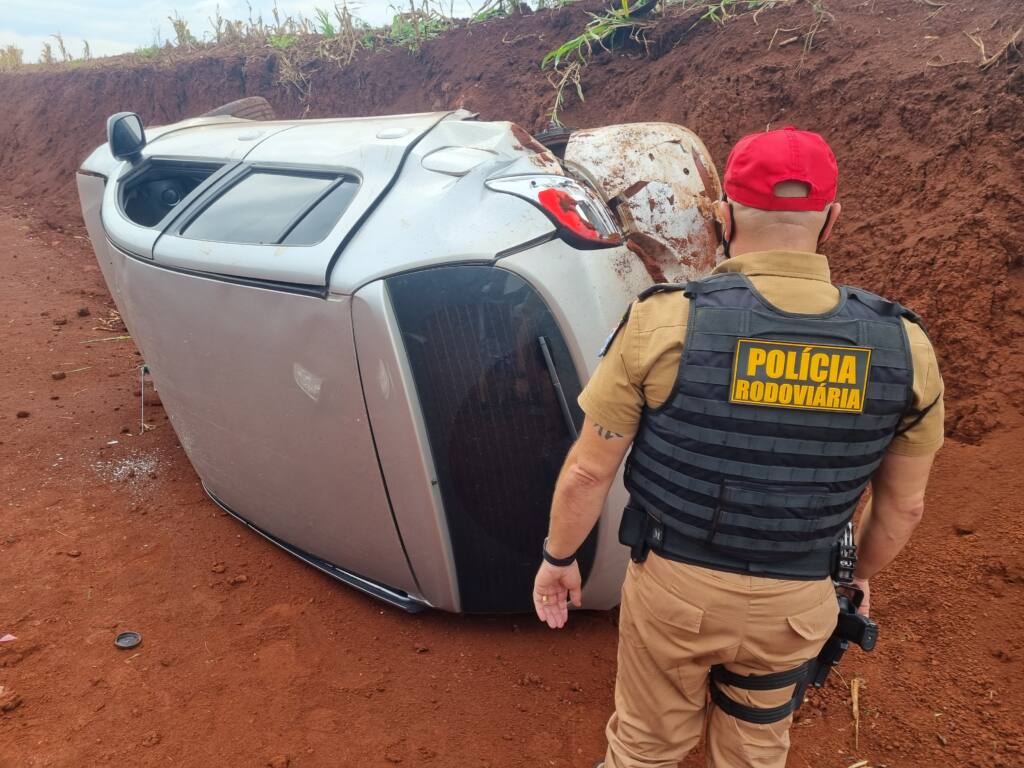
643 533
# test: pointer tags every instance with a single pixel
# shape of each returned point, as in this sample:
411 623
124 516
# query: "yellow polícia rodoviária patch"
783 374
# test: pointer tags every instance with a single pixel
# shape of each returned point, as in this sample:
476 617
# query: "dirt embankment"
928 143
103 530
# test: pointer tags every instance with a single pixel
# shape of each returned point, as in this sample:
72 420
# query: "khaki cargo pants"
678 620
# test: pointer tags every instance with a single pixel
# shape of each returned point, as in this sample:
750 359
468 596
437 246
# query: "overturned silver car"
369 334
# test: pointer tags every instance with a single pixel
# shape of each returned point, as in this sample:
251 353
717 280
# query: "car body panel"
270 414
217 139
400 436
446 218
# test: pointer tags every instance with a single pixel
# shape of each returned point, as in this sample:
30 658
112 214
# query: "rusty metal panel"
661 181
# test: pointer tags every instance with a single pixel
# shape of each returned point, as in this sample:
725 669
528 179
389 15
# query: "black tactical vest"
777 421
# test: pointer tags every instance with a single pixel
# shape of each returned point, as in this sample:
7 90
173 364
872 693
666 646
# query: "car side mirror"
125 136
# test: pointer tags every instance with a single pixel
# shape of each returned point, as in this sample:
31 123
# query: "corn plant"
183 37
65 54
494 9
287 25
225 30
11 58
411 28
568 60
599 31
342 34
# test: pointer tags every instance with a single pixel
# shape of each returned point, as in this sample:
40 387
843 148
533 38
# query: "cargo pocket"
667 607
815 624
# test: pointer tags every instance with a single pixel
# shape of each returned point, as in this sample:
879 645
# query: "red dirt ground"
287 665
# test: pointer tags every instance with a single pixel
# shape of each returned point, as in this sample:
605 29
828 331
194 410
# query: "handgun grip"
828 657
869 636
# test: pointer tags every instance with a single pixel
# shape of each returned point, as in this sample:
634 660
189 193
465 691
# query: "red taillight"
563 207
580 215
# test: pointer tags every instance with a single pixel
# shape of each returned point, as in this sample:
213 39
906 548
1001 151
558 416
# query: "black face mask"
720 231
828 214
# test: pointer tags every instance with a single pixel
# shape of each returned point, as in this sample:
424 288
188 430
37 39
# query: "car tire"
555 138
249 108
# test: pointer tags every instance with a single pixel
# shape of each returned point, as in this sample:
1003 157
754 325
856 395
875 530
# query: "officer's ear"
830 221
723 219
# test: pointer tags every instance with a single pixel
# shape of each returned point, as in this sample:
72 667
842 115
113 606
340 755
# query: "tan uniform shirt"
641 364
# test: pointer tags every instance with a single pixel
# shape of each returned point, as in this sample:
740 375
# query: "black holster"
640 532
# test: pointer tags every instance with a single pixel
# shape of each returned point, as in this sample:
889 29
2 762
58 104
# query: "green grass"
409 29
282 42
620 23
723 10
322 23
568 60
496 9
599 31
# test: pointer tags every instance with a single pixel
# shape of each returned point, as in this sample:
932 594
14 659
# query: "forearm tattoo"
606 433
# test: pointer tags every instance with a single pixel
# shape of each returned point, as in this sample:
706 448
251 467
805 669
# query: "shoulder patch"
614 332
659 288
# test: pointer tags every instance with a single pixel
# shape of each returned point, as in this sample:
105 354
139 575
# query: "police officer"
759 402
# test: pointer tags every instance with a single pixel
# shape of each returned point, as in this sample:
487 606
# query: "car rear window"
270 207
496 430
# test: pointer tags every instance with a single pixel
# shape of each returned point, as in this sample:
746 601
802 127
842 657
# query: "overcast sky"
118 26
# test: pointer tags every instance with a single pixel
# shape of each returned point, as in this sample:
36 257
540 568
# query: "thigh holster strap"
721 676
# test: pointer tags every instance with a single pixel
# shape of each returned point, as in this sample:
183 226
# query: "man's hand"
552 587
865 604
580 492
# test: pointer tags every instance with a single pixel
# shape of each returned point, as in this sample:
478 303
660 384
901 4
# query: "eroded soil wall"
928 143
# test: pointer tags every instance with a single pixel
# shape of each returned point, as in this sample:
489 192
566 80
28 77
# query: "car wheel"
555 138
249 108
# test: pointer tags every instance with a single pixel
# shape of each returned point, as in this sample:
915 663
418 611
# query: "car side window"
157 188
273 208
317 222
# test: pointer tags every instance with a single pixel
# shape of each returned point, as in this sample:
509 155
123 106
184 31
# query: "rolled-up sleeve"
612 397
926 436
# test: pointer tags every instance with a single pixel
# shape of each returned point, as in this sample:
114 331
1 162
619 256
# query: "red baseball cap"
761 160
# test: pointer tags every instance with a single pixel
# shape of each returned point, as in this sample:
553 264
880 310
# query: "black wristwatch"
560 562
